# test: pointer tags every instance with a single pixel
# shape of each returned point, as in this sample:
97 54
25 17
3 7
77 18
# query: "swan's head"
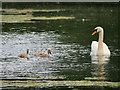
97 29
49 50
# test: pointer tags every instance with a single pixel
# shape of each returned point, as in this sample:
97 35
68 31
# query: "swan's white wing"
106 50
94 48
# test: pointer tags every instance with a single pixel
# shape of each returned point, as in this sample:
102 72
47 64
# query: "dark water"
69 41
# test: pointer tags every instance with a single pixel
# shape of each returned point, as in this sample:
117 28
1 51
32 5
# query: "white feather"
94 49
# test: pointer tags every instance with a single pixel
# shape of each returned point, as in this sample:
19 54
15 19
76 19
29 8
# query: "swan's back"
23 55
94 49
42 54
106 50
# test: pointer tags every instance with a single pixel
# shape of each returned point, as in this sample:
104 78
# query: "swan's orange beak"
94 33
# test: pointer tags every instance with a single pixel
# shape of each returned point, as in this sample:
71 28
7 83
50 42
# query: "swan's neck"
49 52
100 41
27 51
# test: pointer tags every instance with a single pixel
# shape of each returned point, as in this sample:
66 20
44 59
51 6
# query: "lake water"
69 40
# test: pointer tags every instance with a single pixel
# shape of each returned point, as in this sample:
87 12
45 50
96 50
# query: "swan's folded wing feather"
94 47
106 49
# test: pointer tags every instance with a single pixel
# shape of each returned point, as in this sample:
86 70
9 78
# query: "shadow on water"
69 40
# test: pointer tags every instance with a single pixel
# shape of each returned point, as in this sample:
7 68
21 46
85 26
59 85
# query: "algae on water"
25 16
28 83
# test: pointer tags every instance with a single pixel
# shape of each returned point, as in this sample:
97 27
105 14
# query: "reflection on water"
100 59
99 63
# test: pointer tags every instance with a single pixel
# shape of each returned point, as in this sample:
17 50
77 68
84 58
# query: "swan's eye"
95 30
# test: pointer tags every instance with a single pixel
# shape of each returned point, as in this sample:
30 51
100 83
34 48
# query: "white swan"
99 48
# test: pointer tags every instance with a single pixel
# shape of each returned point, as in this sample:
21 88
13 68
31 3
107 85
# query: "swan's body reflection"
98 63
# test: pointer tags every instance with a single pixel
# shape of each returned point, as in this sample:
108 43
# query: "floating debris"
83 20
